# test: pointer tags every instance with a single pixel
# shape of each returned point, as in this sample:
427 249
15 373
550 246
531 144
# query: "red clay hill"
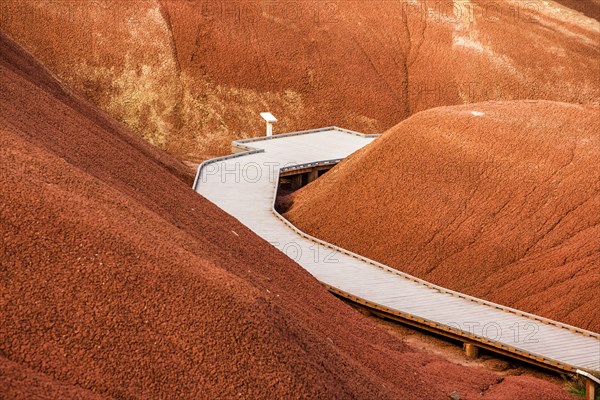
190 76
118 281
497 200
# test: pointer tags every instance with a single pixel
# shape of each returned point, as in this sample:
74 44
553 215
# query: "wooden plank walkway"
244 185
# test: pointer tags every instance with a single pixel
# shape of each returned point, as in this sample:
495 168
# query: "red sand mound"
118 280
497 200
21 383
193 75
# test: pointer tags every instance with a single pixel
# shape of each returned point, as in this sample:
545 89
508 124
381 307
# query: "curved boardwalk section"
245 184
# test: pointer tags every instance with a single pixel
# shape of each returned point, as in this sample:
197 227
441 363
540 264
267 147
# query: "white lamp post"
267 116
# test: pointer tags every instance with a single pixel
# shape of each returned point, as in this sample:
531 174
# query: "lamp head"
267 116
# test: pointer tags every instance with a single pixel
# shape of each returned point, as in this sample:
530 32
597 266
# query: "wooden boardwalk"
244 185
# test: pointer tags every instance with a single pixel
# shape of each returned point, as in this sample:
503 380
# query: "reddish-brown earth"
591 8
18 382
190 76
497 200
117 280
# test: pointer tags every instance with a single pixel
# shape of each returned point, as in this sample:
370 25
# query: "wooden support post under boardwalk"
471 350
296 182
313 174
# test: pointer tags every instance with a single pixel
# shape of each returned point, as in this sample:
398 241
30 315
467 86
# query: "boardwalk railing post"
591 382
590 389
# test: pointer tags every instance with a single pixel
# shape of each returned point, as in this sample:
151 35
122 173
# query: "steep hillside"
118 281
191 76
497 200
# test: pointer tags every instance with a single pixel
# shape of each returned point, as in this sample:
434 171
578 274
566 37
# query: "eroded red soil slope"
117 280
190 76
497 200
